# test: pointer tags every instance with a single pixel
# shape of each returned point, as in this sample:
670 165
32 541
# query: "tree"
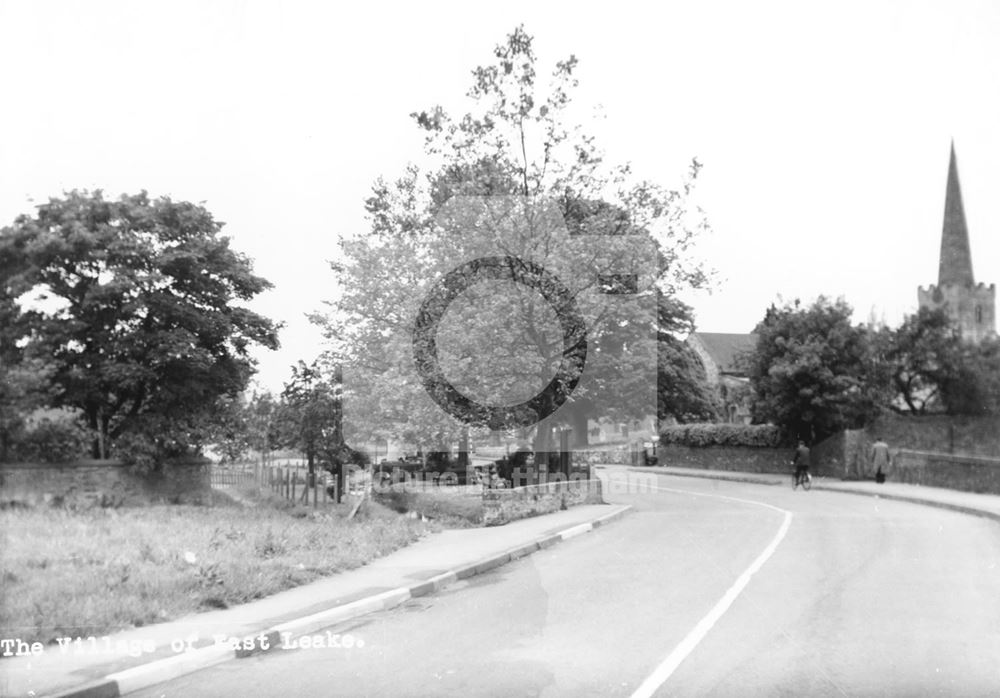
138 304
310 419
263 422
813 372
515 145
934 370
231 429
24 387
682 390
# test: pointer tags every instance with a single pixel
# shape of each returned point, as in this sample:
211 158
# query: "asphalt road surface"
706 588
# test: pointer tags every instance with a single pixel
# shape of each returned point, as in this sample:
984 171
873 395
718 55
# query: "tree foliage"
24 388
310 413
934 370
682 391
516 140
138 304
813 372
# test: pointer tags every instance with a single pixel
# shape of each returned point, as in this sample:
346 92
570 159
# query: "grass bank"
97 571
452 509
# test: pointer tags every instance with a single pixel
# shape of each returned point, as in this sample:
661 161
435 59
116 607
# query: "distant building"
721 354
970 305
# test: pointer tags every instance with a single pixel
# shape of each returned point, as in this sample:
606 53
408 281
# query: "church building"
970 305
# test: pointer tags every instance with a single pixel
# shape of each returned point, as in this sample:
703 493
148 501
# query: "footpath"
134 659
987 505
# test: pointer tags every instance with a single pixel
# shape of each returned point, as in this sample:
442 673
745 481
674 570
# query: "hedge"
754 435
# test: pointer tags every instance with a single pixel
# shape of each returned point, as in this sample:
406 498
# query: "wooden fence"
289 482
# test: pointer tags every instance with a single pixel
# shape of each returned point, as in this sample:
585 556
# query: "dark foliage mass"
813 371
134 309
752 435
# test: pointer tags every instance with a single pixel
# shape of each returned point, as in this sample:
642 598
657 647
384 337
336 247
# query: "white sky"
824 130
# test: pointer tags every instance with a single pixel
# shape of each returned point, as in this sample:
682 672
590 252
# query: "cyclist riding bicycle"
801 463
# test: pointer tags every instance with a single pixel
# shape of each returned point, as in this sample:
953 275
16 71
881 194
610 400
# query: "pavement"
130 660
976 504
127 661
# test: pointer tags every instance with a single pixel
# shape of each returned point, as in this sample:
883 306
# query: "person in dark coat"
801 461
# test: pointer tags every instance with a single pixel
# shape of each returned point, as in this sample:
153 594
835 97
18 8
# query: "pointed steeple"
956 256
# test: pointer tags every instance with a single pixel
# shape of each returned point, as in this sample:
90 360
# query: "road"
706 588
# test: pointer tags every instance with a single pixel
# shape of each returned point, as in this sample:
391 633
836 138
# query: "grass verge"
451 510
66 573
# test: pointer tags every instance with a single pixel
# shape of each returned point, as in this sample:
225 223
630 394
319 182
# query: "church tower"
970 305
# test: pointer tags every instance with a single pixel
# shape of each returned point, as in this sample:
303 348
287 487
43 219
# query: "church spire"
956 257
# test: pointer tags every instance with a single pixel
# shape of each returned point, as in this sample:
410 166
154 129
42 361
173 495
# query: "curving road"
706 588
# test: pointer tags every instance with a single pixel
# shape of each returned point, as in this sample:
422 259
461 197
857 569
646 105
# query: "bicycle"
803 478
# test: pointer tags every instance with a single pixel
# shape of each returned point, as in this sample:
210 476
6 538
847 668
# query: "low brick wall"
503 506
741 458
89 483
612 455
967 473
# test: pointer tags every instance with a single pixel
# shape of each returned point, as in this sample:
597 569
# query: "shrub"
700 435
51 436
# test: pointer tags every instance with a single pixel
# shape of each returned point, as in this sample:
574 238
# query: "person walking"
801 462
881 459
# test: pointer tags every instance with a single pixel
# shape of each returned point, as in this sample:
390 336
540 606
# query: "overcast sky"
824 130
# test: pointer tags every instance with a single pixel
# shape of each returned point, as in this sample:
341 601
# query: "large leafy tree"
934 370
138 303
516 141
813 372
682 390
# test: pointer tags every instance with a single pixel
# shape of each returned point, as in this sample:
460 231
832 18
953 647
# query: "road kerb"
104 688
146 675
576 531
523 551
162 670
961 509
361 607
433 584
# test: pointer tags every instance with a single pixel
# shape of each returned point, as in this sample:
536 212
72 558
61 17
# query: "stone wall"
971 436
503 506
968 473
846 455
89 483
843 455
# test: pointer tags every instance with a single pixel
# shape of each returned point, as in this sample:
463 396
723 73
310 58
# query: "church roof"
956 256
726 348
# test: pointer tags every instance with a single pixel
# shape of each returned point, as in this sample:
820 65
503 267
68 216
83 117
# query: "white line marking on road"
697 634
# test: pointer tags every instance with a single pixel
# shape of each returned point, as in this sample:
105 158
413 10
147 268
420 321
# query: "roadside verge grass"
449 509
67 573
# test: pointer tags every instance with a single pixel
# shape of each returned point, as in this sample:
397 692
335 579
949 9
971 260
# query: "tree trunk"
103 435
543 447
91 417
581 436
463 450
